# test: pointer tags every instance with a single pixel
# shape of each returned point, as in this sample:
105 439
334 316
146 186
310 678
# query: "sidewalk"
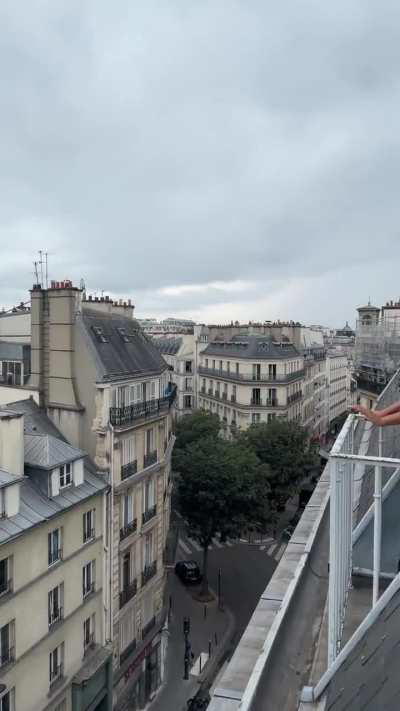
176 691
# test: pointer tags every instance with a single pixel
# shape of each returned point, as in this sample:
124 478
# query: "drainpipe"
111 531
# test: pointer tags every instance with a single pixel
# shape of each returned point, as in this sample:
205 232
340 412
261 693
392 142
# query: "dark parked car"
188 571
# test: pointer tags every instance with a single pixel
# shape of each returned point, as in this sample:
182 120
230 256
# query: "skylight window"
98 332
126 337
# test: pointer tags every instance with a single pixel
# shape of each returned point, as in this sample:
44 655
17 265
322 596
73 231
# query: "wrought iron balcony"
88 589
55 615
128 469
55 555
6 586
149 572
127 651
7 656
294 397
128 593
56 673
210 391
150 458
88 534
217 394
149 514
126 530
125 416
148 627
249 378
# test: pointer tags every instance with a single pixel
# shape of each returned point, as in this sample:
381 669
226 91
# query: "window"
98 332
127 509
228 366
5 575
213 364
7 701
88 525
150 441
127 630
188 366
255 418
220 364
272 371
237 368
148 550
256 396
56 661
128 450
89 627
11 372
65 475
55 604
187 401
256 371
149 494
7 644
206 362
88 578
3 512
188 384
54 546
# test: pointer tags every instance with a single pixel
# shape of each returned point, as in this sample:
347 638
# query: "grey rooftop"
252 347
45 451
119 346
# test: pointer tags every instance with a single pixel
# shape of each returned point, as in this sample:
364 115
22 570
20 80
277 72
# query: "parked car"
188 571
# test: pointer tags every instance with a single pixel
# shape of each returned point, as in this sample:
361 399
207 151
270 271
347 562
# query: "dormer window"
98 332
65 475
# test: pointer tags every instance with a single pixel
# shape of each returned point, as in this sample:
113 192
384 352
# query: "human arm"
382 418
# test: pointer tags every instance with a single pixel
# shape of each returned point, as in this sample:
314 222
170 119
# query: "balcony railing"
6 586
217 394
128 593
55 555
203 391
150 458
7 656
294 397
148 627
126 530
127 651
88 534
268 402
128 469
149 514
224 396
125 416
56 673
56 615
149 572
88 589
248 377
233 398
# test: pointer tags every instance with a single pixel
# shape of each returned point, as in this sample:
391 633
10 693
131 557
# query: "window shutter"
77 468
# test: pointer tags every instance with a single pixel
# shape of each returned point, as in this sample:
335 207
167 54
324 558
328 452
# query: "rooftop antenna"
47 269
36 272
41 266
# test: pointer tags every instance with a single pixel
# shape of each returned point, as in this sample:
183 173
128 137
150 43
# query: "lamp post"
186 630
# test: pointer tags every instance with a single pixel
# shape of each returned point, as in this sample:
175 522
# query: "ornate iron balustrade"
126 530
128 593
149 572
124 416
249 378
150 458
149 514
128 469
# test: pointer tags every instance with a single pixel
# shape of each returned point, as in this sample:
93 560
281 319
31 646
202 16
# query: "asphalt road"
245 572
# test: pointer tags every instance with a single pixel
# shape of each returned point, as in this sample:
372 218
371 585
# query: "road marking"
280 552
217 543
196 545
272 548
184 547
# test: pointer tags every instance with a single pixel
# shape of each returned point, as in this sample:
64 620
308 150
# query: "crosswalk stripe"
217 543
272 548
184 547
195 545
280 552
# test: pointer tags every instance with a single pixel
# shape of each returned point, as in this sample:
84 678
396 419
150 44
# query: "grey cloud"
156 144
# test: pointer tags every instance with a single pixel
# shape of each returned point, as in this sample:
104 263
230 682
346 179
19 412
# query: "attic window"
98 332
126 337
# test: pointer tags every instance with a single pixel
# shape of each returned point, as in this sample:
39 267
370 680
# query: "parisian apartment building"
251 379
107 390
53 650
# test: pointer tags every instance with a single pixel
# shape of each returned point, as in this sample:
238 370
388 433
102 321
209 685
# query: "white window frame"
11 694
150 448
9 571
127 513
127 629
148 549
65 475
128 450
89 630
57 655
88 578
50 537
50 599
89 525
149 494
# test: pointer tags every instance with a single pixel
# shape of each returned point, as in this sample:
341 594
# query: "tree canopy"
192 428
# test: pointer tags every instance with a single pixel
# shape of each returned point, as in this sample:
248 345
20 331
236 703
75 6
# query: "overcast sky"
216 160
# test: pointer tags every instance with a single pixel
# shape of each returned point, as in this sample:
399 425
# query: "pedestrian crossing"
271 547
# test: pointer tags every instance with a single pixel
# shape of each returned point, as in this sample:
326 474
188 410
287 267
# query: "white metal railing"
382 454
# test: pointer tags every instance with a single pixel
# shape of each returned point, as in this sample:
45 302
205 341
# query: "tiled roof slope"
169 346
46 452
369 678
115 358
254 347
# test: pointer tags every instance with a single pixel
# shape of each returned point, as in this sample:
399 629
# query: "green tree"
222 489
192 428
285 447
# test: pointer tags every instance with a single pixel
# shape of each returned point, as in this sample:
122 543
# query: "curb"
212 666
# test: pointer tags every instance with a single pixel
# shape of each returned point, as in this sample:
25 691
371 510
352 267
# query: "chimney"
12 442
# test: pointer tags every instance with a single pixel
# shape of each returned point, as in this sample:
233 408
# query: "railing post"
377 523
